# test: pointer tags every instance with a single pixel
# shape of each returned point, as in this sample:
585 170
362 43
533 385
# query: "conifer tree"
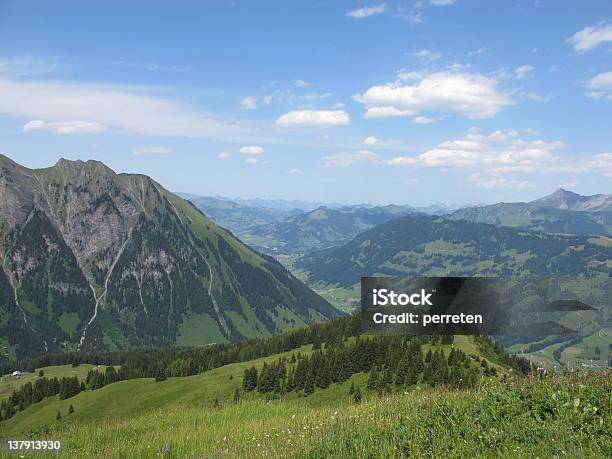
357 396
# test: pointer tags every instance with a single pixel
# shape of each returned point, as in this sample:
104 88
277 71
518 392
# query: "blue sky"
416 102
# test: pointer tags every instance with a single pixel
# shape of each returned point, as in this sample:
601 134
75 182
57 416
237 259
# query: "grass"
563 416
509 416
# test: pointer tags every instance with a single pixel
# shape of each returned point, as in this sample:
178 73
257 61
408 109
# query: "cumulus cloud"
65 127
154 150
591 37
130 109
523 72
353 158
295 172
386 112
601 163
301 83
498 152
251 160
251 150
248 103
320 118
361 13
600 86
377 142
224 155
469 95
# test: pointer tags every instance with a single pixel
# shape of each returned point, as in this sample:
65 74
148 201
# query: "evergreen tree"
237 395
70 409
58 416
357 396
373 379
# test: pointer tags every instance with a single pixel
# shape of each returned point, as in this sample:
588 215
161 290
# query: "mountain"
238 217
563 199
433 246
91 259
319 229
560 212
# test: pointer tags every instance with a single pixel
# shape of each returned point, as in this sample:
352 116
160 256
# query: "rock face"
91 259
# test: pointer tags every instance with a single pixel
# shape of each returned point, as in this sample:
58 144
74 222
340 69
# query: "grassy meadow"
198 416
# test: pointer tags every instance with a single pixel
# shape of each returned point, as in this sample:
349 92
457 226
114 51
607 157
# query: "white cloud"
600 86
251 150
498 182
354 158
601 81
251 160
601 163
427 55
591 37
301 83
361 13
295 172
224 155
499 152
424 120
152 151
248 103
65 127
338 105
524 71
130 109
470 95
386 112
314 118
409 75
441 2
267 100
377 142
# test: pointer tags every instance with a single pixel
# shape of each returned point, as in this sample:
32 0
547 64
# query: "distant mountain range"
238 217
91 259
561 212
319 229
434 246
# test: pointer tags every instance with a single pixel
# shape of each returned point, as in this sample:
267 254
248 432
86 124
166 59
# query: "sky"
412 102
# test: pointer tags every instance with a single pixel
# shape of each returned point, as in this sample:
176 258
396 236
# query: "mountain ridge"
104 260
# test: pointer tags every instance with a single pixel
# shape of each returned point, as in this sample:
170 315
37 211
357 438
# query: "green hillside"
433 246
199 416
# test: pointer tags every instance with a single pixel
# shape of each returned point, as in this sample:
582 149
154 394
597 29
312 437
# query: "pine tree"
41 374
373 379
70 409
237 395
352 389
357 396
58 416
